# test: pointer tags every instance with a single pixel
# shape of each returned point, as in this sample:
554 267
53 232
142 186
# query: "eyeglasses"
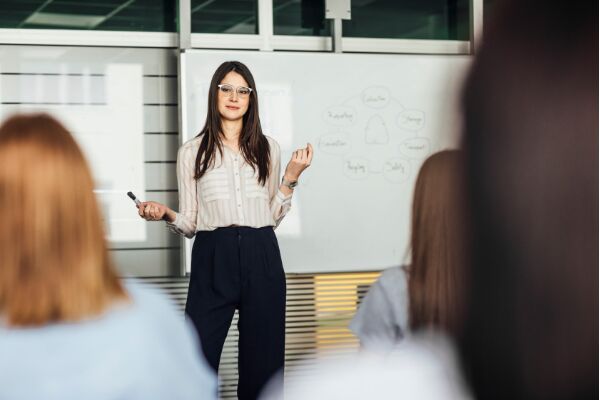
228 90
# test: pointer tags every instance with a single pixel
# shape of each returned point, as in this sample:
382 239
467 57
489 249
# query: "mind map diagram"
374 134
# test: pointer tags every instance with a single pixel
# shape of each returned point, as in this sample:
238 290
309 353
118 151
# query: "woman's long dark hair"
531 142
254 145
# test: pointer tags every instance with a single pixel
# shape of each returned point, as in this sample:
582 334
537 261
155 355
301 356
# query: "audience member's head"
53 256
437 244
531 142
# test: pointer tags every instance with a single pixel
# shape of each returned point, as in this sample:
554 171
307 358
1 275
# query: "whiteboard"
372 119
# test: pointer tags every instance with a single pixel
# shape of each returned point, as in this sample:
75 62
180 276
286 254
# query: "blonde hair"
438 240
54 263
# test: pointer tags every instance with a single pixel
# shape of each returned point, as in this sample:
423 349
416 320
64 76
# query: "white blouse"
228 193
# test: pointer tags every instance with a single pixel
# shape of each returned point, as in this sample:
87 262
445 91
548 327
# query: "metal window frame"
265 40
73 37
476 23
324 44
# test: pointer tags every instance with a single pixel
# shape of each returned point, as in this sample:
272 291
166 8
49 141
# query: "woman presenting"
231 199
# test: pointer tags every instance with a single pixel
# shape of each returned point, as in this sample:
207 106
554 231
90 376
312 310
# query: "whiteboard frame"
185 135
186 244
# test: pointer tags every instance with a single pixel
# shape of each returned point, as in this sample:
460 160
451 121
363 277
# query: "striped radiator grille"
319 308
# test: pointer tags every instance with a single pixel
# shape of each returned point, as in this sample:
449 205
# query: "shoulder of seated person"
393 274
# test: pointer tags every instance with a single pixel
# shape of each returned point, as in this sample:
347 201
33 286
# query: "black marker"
132 196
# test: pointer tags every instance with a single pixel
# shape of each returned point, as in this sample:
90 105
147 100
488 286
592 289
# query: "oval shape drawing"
415 148
356 168
335 143
376 97
376 131
411 120
339 116
396 170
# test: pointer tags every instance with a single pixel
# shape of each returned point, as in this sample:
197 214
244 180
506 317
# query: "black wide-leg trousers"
240 267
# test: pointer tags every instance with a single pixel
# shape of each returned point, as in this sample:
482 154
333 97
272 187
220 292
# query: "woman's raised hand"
300 160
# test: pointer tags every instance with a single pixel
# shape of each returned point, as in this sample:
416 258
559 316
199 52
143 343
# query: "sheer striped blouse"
227 194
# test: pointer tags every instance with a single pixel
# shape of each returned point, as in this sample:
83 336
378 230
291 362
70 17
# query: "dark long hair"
531 142
438 238
254 145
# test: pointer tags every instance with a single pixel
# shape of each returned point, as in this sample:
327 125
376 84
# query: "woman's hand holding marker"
153 211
